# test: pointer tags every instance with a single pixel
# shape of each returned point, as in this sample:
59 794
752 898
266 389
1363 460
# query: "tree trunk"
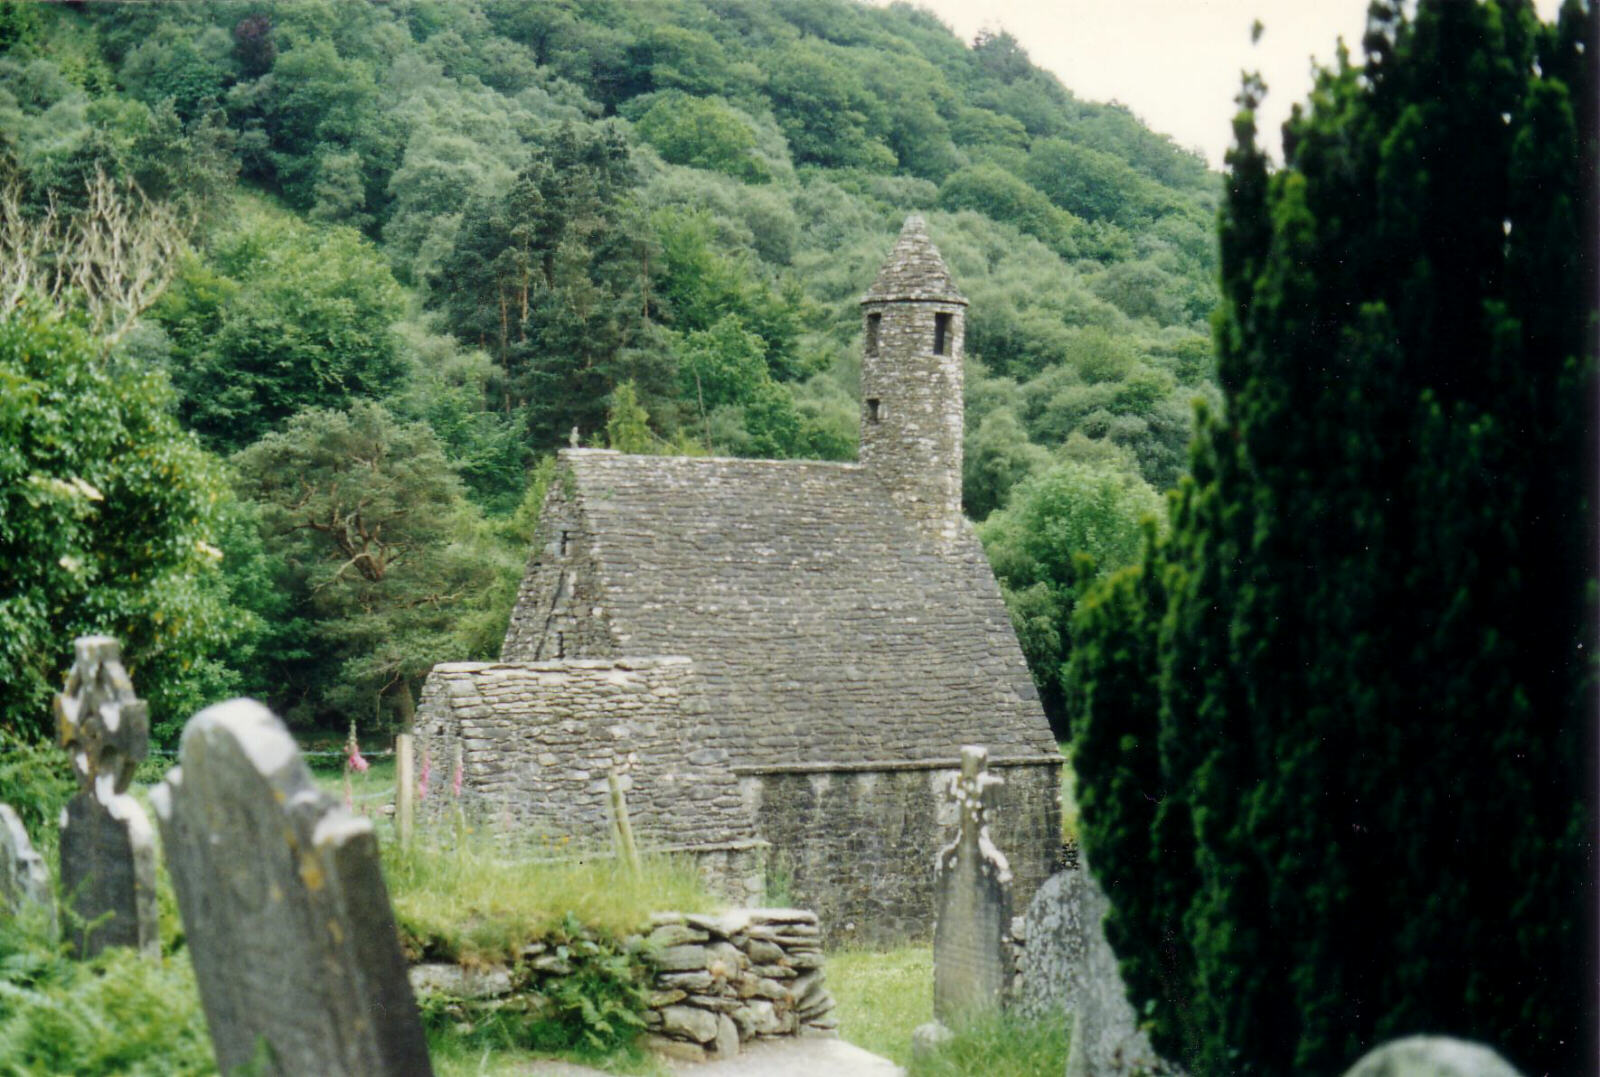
404 705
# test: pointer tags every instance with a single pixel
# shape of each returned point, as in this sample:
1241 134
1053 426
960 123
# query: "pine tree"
1364 813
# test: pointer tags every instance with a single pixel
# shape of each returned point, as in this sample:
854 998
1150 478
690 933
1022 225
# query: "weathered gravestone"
1431 1056
24 881
284 905
108 859
1068 971
971 958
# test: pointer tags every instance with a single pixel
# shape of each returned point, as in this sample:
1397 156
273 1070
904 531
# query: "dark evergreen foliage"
1357 805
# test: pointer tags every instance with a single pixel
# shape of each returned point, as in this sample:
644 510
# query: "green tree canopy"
1357 803
385 560
109 519
290 317
703 132
1071 523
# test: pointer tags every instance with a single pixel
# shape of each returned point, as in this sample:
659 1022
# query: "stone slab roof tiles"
914 270
822 624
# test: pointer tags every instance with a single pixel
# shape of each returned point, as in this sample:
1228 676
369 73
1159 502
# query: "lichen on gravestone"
1068 971
284 906
971 955
108 872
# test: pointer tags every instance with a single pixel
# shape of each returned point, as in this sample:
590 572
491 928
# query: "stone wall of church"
560 610
857 842
534 744
911 422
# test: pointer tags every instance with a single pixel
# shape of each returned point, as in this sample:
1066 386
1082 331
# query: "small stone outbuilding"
837 637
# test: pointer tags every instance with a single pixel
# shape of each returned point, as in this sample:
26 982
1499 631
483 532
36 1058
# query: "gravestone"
284 906
1068 971
971 958
1431 1056
108 859
24 881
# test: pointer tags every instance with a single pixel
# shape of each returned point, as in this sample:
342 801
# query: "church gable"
826 626
559 611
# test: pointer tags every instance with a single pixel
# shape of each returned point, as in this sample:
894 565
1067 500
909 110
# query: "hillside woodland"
410 249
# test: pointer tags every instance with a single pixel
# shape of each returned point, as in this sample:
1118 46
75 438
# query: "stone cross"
971 961
24 882
284 905
108 860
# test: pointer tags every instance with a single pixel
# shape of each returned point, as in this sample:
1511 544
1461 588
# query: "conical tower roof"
914 270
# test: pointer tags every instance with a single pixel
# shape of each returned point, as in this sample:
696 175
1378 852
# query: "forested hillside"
421 244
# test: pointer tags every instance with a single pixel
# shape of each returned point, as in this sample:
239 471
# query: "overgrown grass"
884 995
1069 795
474 902
999 1045
116 1014
881 996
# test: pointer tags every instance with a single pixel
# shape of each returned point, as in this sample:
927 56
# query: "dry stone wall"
721 981
535 743
717 982
858 843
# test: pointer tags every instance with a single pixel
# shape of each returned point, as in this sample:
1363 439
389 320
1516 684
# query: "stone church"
780 659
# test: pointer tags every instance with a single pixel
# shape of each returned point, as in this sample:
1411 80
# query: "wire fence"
172 753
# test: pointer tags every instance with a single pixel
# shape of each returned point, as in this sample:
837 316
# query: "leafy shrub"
594 1009
119 1013
36 780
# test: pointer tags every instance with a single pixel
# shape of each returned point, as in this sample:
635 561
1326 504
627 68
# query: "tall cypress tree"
1356 803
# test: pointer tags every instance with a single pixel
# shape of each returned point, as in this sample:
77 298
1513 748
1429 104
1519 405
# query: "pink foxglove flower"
422 778
352 753
455 781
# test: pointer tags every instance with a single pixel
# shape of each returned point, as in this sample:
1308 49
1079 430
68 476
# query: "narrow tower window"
561 645
566 541
941 334
874 410
872 333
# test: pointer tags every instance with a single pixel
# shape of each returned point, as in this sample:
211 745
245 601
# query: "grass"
881 996
884 995
1069 795
999 1045
469 901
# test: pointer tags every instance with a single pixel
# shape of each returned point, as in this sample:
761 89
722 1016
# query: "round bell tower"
911 384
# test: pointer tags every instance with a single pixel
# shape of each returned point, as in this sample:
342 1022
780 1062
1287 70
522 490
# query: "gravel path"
805 1057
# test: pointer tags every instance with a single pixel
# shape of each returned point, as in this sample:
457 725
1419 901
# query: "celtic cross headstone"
971 962
108 866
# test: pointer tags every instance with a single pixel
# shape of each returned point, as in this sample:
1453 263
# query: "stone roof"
914 270
823 625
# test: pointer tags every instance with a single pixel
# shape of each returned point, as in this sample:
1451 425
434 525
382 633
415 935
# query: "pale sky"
1176 63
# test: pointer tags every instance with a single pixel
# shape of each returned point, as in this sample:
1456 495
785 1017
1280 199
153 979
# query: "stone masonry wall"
725 980
914 445
858 844
536 741
717 981
560 611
